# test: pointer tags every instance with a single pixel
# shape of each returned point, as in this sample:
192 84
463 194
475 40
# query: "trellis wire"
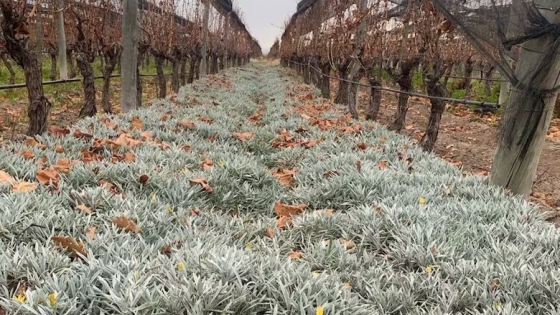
447 99
55 82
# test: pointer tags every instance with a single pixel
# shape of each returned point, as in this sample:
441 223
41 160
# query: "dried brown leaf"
282 209
127 224
70 244
144 179
84 208
90 232
203 183
243 136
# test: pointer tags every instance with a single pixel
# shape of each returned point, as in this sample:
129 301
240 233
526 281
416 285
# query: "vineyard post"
204 52
356 70
529 110
225 40
129 63
63 66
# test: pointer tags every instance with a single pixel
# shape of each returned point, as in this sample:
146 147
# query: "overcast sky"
265 18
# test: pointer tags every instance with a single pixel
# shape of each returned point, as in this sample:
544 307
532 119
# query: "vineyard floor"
468 140
246 193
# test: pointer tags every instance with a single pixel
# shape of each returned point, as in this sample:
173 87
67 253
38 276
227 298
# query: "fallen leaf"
82 135
47 177
188 125
27 154
207 164
311 143
243 136
144 179
59 149
24 187
305 116
84 208
283 222
57 131
285 176
70 244
282 209
194 212
495 284
203 183
362 146
31 142
146 136
167 249
90 232
136 123
348 244
207 120
409 127
129 157
124 223
269 232
6 178
295 255
359 165
330 173
382 164
63 165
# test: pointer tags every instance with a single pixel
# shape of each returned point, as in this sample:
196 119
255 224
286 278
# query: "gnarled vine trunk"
404 80
88 84
372 110
325 81
162 84
111 57
342 94
12 79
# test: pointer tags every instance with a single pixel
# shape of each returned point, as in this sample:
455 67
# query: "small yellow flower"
169 209
52 298
497 306
180 266
154 197
222 163
20 297
429 269
320 310
136 275
249 245
422 200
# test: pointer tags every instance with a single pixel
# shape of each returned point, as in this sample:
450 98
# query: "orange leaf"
311 143
188 125
362 146
269 232
129 157
348 244
295 255
47 177
23 187
409 127
382 164
90 232
31 142
82 135
6 178
27 154
194 212
206 164
136 123
70 244
63 165
57 131
285 176
167 249
146 136
203 183
124 223
243 136
282 209
283 222
59 149
84 208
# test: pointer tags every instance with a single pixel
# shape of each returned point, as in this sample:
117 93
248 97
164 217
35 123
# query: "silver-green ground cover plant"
425 238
